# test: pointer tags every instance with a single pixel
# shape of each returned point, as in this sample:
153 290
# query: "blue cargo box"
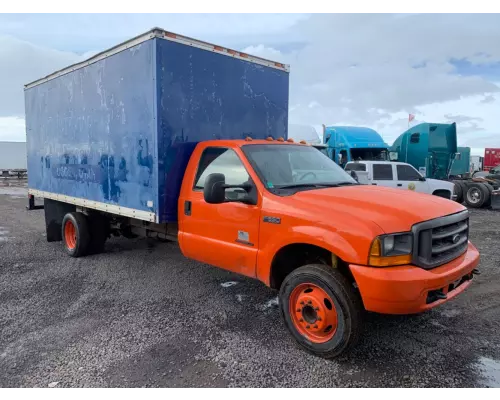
115 132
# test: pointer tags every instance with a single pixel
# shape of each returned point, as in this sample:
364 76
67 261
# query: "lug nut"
316 326
307 326
301 320
309 302
302 303
299 310
319 318
316 309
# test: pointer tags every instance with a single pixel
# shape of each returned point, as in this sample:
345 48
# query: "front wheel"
321 310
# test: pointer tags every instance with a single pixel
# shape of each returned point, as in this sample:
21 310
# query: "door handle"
374 184
187 207
400 184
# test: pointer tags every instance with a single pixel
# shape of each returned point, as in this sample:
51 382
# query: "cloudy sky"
351 69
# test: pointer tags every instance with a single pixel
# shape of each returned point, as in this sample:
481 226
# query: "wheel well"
296 255
442 193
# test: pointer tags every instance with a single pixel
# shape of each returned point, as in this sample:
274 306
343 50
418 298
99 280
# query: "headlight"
387 250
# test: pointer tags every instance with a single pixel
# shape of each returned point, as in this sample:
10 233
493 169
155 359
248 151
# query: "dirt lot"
143 315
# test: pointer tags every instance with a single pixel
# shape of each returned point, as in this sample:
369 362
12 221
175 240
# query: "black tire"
459 192
477 195
464 187
78 245
346 303
487 203
99 233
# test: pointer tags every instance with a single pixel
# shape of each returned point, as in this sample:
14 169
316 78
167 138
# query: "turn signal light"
376 259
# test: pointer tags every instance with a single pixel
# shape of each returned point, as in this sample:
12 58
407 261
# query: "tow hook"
435 295
475 271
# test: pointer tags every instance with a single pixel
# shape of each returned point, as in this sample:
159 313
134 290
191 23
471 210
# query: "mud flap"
495 200
54 214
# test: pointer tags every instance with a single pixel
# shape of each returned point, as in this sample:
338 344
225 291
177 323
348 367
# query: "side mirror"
393 156
215 190
422 179
354 175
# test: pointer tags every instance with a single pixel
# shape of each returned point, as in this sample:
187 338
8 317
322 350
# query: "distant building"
12 155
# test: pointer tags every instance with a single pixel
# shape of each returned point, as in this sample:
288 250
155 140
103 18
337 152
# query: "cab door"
409 178
224 235
383 175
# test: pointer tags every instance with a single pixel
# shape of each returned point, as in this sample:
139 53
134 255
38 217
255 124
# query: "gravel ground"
142 315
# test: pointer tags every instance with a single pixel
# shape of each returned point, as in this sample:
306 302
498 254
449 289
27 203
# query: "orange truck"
272 209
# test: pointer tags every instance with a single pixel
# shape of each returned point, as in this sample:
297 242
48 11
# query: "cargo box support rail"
95 205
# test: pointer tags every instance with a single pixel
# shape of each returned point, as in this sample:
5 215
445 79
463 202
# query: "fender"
354 250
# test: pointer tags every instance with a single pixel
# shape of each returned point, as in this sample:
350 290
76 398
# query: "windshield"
282 166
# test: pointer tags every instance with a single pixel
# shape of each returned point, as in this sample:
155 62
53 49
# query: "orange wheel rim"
313 312
70 235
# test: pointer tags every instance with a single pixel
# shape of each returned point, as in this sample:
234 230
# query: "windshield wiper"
300 185
315 185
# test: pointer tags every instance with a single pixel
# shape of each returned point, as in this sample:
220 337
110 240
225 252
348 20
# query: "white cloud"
352 69
12 129
21 63
361 70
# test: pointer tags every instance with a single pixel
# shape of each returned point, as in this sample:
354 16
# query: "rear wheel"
321 310
99 232
476 195
459 192
75 234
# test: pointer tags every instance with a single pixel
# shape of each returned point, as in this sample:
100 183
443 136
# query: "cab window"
382 172
355 167
223 161
407 173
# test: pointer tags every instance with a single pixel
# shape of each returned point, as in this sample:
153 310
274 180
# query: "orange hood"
393 210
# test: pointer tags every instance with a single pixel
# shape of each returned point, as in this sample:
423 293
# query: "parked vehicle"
349 143
491 158
322 148
166 136
432 149
460 166
399 176
476 164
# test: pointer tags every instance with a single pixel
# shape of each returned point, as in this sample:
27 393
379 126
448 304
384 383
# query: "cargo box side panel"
204 95
91 133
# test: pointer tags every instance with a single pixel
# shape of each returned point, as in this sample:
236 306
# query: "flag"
411 117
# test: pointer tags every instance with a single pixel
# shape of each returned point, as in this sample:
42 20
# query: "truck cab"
431 148
350 143
399 175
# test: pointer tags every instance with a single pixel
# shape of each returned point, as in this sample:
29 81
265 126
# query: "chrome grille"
440 240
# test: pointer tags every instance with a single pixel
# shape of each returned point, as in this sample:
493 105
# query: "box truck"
175 138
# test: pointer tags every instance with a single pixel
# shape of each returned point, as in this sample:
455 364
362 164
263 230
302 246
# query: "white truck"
400 176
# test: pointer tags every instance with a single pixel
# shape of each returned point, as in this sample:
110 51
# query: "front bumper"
408 289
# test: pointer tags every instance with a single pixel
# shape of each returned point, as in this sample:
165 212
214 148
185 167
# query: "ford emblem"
456 238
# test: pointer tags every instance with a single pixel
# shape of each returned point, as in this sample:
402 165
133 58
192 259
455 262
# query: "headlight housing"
389 250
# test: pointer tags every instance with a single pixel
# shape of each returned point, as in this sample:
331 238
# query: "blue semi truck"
351 143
